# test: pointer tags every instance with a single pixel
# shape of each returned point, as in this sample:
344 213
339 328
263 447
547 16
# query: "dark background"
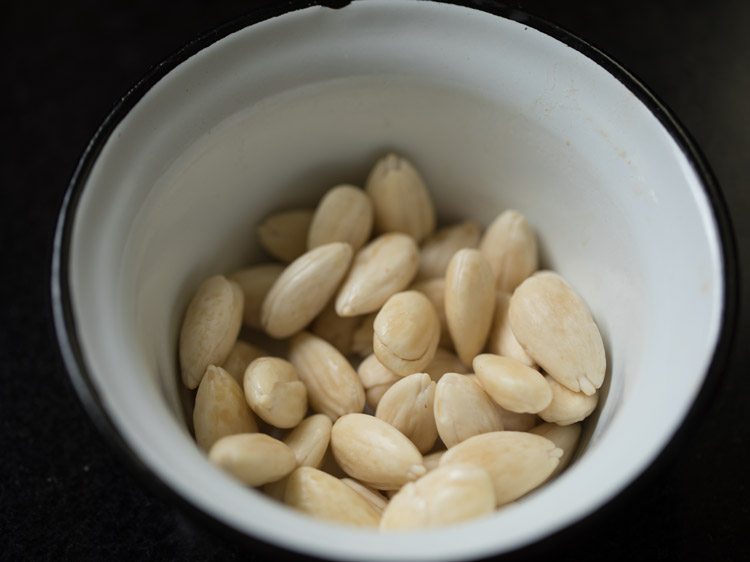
65 494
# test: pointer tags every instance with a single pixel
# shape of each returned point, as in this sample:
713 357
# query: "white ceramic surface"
496 115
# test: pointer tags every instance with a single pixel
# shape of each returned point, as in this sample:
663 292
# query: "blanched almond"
255 283
501 340
445 362
323 496
407 331
284 235
253 458
304 288
344 214
381 269
556 329
463 409
333 387
210 327
439 248
220 409
400 199
375 452
449 494
567 407
274 392
434 290
512 421
336 330
309 440
371 495
517 462
512 384
469 302
408 406
240 357
509 244
565 437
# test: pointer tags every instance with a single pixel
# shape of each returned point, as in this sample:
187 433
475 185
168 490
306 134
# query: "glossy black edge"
69 345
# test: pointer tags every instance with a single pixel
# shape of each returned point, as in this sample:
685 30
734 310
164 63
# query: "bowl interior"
496 115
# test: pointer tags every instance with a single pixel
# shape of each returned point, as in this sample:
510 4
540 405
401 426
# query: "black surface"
63 492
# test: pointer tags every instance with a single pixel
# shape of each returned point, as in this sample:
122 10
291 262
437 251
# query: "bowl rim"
68 340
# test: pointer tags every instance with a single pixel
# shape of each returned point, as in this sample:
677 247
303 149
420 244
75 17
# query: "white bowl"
270 111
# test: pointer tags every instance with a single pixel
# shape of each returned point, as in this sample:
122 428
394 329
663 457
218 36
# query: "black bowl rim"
69 343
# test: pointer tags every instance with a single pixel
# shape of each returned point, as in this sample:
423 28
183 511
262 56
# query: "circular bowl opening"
497 114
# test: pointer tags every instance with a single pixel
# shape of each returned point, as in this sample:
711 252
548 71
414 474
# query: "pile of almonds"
430 376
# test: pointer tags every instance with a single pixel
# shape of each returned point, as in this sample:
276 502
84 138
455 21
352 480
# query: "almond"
220 409
509 244
274 392
407 331
463 409
408 406
517 462
210 327
469 302
371 495
400 198
376 379
344 214
323 496
284 235
253 458
304 288
309 440
375 452
512 384
333 387
447 495
556 329
381 269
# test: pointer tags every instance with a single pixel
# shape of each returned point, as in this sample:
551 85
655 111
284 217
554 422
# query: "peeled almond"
463 409
210 327
556 329
374 452
309 440
469 302
333 387
344 214
376 379
382 268
517 462
371 495
274 392
509 244
408 406
501 340
447 495
323 496
407 331
400 198
220 409
253 458
304 288
512 384
284 235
